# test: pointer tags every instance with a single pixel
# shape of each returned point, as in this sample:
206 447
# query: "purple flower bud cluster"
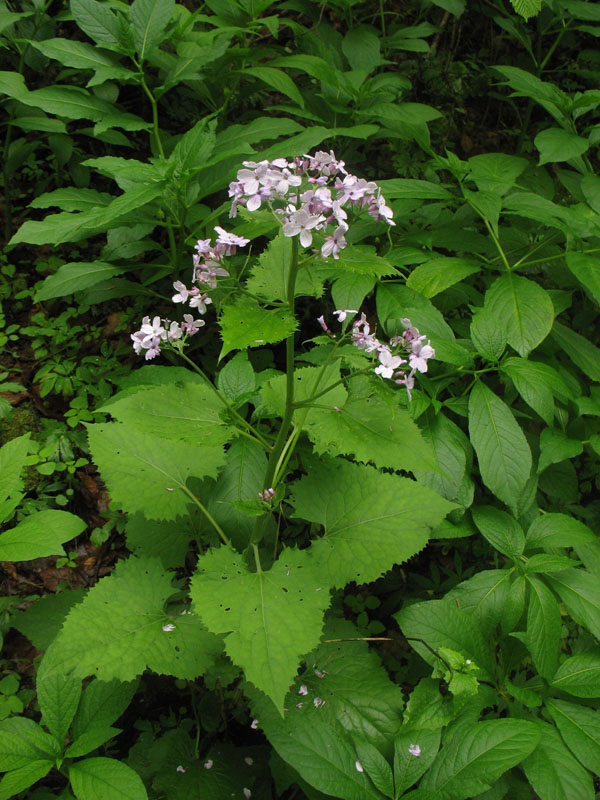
268 495
410 343
208 266
310 193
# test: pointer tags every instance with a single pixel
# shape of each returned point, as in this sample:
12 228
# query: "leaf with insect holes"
271 618
371 520
148 474
121 628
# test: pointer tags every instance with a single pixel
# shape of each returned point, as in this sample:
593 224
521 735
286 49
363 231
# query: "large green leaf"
246 324
149 19
279 81
485 596
502 451
102 703
543 627
269 275
442 623
148 474
586 269
97 20
75 277
580 728
557 144
450 446
487 334
527 8
370 429
22 740
371 520
524 308
555 446
579 349
472 761
80 55
496 172
580 592
58 696
12 461
105 779
68 101
195 147
122 628
553 773
272 618
500 529
14 782
579 675
40 534
72 198
183 412
433 277
537 383
558 530
42 621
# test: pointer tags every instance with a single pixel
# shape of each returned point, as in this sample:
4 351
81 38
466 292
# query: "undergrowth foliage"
358 480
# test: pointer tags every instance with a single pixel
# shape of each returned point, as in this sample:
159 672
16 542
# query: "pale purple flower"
153 348
333 244
388 363
359 766
301 222
421 353
152 330
322 323
191 325
342 313
199 300
414 750
249 760
174 332
303 689
230 239
318 702
182 292
380 211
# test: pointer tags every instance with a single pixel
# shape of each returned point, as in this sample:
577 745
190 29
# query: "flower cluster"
208 266
410 344
310 193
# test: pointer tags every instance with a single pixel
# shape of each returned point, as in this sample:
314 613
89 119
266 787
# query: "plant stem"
255 435
280 442
206 513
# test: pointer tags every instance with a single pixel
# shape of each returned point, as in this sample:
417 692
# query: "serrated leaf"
41 534
580 592
558 530
502 451
500 529
557 144
579 675
555 446
237 378
581 351
272 618
168 540
102 703
105 779
188 412
22 740
117 631
14 782
586 269
470 762
527 8
268 277
580 728
487 334
543 627
58 696
247 324
12 461
370 430
362 538
74 277
433 277
148 474
524 308
96 19
553 773
149 19
308 381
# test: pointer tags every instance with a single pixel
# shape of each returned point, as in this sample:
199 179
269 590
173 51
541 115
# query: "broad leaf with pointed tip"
525 309
372 520
272 617
246 324
118 630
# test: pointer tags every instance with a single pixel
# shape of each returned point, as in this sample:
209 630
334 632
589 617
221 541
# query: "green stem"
309 402
497 243
206 513
254 434
280 442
